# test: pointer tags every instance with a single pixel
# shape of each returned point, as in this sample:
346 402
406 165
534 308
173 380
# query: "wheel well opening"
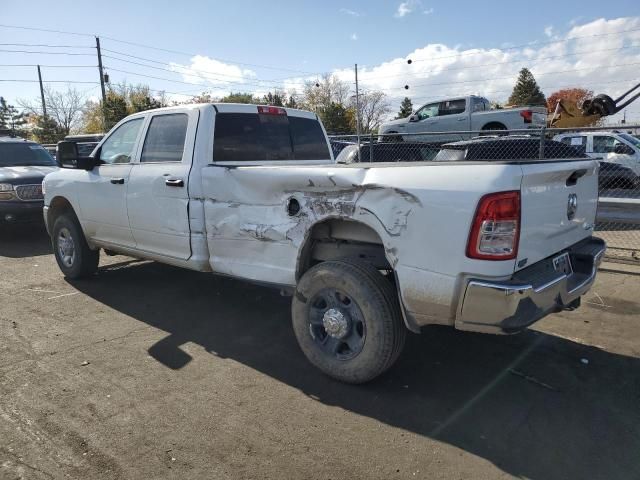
57 207
339 238
494 126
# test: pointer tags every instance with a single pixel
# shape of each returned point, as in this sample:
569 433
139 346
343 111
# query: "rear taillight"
495 230
527 115
271 110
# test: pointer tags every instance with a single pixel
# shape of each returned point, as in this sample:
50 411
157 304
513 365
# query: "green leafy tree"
239 98
406 108
140 99
526 91
336 118
114 108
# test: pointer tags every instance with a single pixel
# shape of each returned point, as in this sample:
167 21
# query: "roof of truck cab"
231 108
16 140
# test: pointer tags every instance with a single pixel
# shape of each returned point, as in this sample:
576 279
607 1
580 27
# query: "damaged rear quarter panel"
421 212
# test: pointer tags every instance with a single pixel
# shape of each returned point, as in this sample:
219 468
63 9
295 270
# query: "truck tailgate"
559 202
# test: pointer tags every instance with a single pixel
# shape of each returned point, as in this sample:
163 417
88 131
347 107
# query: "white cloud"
406 8
354 36
214 75
548 31
428 11
597 61
353 13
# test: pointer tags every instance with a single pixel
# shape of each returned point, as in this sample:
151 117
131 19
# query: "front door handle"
174 182
117 181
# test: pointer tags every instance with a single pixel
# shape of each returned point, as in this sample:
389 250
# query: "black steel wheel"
347 320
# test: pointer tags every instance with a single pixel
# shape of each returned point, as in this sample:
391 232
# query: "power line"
530 44
44 81
48 66
209 75
537 60
42 45
211 72
48 53
511 76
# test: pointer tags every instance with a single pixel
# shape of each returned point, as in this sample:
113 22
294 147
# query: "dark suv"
23 166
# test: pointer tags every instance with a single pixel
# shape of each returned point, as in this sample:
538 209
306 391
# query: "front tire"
347 320
74 257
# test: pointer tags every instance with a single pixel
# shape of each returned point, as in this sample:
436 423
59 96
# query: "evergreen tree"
406 108
274 99
11 120
239 98
4 114
47 130
291 103
526 91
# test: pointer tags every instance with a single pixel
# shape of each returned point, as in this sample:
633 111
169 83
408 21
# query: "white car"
366 251
614 147
453 119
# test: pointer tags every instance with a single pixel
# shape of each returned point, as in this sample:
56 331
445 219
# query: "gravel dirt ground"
147 371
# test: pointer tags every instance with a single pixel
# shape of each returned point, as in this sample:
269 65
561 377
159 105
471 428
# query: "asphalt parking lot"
148 371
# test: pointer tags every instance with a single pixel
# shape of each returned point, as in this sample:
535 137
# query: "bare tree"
325 91
374 107
64 107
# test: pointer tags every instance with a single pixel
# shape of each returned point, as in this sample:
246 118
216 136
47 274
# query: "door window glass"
165 138
453 107
118 148
428 111
603 144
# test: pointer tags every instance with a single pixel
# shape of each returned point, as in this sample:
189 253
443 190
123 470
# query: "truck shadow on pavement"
527 403
24 240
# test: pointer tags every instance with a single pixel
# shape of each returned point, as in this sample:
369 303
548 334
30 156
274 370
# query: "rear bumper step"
532 293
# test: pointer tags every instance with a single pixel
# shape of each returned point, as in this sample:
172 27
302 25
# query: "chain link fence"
617 150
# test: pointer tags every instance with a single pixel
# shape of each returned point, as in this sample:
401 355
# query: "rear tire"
74 257
346 317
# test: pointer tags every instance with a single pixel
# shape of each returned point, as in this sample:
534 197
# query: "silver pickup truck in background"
444 120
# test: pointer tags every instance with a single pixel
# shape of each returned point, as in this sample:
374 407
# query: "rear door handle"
117 181
174 182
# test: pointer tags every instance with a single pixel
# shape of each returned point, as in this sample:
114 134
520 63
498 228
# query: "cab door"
158 193
102 193
614 150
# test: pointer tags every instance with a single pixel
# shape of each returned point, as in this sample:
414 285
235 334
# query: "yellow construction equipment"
568 114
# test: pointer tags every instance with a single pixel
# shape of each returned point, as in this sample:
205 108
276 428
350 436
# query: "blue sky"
300 40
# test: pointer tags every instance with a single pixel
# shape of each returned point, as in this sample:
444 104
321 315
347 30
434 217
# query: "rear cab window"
267 137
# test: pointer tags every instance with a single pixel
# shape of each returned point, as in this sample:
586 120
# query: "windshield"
631 139
24 154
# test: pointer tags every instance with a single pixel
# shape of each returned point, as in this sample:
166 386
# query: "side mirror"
622 149
67 155
414 118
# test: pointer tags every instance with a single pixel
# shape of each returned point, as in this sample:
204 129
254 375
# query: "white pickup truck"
367 251
454 119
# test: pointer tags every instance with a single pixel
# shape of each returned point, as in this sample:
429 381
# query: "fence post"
542 140
371 147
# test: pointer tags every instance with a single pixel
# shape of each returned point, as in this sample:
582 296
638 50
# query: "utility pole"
357 110
44 105
104 95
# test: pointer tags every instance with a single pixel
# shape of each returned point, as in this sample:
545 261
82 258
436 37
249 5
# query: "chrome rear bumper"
532 293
